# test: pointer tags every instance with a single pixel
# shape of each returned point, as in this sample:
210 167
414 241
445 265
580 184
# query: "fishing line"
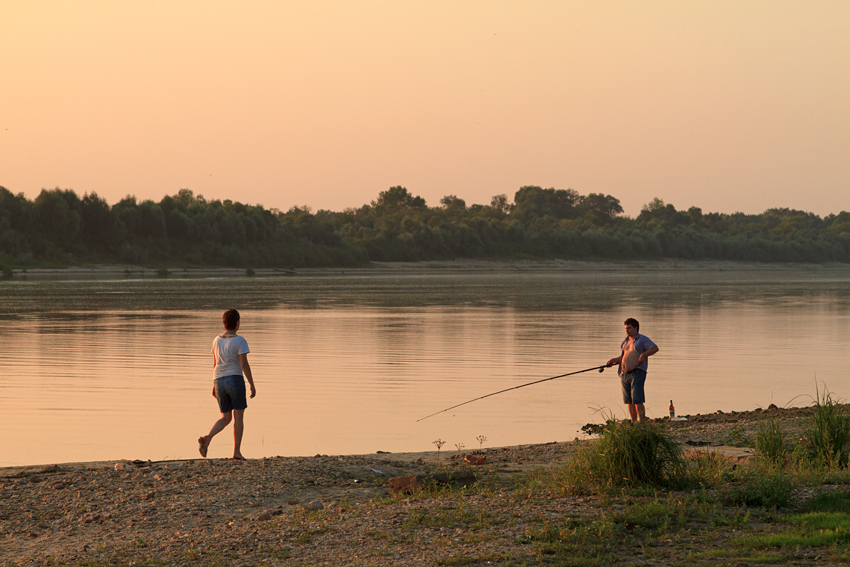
599 368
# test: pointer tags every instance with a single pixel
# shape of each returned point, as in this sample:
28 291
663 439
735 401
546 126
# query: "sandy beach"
312 510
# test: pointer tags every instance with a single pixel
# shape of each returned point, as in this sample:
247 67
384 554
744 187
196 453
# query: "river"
347 363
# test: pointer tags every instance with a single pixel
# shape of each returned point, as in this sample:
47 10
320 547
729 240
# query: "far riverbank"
452 266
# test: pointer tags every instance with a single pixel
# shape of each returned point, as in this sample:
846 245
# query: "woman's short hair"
230 319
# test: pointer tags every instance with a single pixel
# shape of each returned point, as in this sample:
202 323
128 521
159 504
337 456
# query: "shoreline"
718 420
114 271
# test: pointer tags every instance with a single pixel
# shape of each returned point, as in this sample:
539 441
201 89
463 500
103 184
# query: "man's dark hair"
629 321
230 319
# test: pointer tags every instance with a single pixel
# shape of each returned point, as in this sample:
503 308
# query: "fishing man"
635 349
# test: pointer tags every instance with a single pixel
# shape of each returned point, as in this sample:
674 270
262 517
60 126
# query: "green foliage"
827 437
60 227
625 455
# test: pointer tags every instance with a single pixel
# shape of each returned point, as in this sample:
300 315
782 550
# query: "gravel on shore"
332 510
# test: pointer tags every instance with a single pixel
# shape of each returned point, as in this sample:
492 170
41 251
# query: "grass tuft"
625 455
770 442
827 438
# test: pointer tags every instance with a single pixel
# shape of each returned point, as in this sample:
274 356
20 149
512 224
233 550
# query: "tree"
101 229
500 203
599 208
59 216
531 202
396 199
453 204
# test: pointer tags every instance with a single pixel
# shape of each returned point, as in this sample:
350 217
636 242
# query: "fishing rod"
599 368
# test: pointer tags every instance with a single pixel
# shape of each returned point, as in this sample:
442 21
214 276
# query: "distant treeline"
60 227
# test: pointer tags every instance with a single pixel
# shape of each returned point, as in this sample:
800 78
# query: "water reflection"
121 369
560 291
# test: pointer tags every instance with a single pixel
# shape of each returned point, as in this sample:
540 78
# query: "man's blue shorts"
230 393
632 383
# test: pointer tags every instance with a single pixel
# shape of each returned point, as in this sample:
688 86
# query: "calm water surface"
101 370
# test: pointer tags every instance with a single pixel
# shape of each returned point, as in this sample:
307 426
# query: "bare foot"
203 445
238 458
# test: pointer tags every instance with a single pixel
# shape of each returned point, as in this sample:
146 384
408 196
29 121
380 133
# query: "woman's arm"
246 369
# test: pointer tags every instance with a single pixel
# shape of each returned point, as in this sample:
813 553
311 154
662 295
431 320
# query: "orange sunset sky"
725 105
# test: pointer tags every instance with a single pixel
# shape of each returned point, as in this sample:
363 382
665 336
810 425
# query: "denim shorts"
230 393
632 383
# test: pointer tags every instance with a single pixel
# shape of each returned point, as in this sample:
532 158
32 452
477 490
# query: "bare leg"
217 427
633 412
238 428
641 411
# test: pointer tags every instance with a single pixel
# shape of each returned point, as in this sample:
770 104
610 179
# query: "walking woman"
230 362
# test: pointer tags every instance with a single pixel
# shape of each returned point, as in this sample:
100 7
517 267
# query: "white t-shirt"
226 353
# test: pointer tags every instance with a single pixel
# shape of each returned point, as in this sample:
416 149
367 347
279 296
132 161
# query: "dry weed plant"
439 444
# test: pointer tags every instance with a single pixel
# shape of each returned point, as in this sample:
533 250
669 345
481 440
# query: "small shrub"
828 433
625 455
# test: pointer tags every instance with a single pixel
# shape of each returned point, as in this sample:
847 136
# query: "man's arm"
614 361
648 352
246 369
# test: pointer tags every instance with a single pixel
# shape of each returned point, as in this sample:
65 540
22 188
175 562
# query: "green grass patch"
455 513
762 487
741 556
824 522
465 559
815 529
831 501
307 535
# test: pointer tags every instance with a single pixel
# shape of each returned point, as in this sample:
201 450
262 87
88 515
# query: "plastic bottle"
672 411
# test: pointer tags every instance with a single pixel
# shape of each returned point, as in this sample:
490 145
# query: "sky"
730 106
